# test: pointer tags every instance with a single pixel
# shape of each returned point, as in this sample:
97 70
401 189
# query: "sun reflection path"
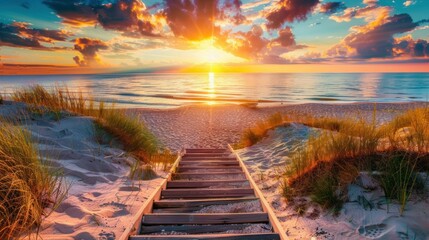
211 89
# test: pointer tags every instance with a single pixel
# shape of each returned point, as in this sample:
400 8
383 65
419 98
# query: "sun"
211 54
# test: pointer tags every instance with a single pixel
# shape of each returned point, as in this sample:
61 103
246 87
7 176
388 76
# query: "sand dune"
101 200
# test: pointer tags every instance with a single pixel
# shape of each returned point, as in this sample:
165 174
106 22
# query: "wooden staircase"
206 178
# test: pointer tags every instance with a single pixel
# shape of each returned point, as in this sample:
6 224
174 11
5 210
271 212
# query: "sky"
55 36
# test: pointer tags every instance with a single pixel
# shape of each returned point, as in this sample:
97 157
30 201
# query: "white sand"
101 200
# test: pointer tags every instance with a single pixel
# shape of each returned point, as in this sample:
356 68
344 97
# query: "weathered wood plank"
208 168
194 229
250 236
188 158
209 171
206 193
209 163
206 150
205 183
199 202
207 154
202 218
217 175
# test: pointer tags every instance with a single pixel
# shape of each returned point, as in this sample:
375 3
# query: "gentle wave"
172 90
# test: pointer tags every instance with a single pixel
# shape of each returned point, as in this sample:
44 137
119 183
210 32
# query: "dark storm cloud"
89 49
20 34
289 11
331 7
130 17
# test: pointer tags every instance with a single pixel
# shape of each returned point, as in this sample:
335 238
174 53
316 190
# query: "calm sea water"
171 90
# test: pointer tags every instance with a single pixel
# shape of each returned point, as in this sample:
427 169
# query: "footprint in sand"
372 231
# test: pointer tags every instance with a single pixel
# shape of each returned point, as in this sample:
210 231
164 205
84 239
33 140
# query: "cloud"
197 19
252 45
255 4
74 12
231 11
19 34
247 45
376 39
289 11
88 48
285 38
130 17
408 3
369 13
331 7
407 46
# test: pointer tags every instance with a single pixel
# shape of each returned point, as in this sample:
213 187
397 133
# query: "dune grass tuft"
256 133
345 147
129 129
27 186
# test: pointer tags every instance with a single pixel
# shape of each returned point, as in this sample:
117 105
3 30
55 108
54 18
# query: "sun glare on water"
211 89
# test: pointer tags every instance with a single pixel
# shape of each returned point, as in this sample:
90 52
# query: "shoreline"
273 105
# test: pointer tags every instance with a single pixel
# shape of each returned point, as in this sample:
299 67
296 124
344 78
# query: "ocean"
172 90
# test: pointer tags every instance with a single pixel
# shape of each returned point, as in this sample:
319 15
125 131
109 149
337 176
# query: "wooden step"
203 218
206 154
217 175
205 183
208 159
200 202
192 167
194 229
209 171
207 193
206 150
208 163
249 236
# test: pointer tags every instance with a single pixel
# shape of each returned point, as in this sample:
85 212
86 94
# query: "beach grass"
129 129
334 156
27 185
256 133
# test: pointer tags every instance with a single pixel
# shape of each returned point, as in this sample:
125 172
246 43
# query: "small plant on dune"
256 133
130 130
398 179
324 193
141 171
27 186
